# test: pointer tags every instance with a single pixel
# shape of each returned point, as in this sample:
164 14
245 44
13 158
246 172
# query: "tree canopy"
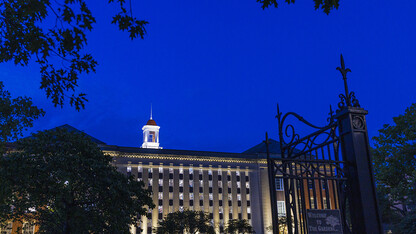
63 182
394 157
187 221
236 226
54 35
16 115
325 5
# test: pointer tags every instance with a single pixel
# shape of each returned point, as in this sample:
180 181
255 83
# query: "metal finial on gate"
349 97
344 77
331 114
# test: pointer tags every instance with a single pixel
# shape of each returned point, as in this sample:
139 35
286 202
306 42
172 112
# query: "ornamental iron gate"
327 173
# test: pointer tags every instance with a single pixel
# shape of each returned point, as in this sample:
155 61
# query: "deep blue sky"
214 70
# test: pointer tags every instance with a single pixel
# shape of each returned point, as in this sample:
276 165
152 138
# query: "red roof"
151 122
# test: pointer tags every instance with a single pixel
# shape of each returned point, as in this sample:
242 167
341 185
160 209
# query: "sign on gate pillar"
324 221
361 192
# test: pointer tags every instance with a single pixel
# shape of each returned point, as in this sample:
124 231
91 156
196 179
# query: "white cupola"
151 134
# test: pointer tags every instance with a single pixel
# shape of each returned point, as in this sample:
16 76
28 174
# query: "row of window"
27 228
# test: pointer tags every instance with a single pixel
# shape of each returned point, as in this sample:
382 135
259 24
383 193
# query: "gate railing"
329 169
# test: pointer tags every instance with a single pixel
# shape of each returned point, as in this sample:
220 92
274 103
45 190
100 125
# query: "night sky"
214 70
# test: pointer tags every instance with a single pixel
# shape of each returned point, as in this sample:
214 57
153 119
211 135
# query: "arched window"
6 228
28 228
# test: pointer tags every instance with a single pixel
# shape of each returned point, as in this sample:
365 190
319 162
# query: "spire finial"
344 72
347 99
151 111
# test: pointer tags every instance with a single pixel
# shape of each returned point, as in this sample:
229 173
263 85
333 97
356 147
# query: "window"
28 228
160 195
191 171
191 183
281 210
237 173
170 195
312 203
181 196
171 170
160 169
219 177
278 184
239 197
230 215
160 209
150 182
180 183
160 182
248 203
310 184
128 169
191 202
181 202
247 185
229 184
191 196
238 184
150 138
181 176
171 183
181 170
200 189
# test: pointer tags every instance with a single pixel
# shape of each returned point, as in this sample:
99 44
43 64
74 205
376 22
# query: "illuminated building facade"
224 185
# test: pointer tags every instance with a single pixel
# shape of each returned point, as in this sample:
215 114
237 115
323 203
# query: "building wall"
224 188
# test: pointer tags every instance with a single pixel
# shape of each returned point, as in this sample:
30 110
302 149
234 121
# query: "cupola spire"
151 133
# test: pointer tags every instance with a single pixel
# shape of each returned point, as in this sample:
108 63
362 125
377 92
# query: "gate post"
361 191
